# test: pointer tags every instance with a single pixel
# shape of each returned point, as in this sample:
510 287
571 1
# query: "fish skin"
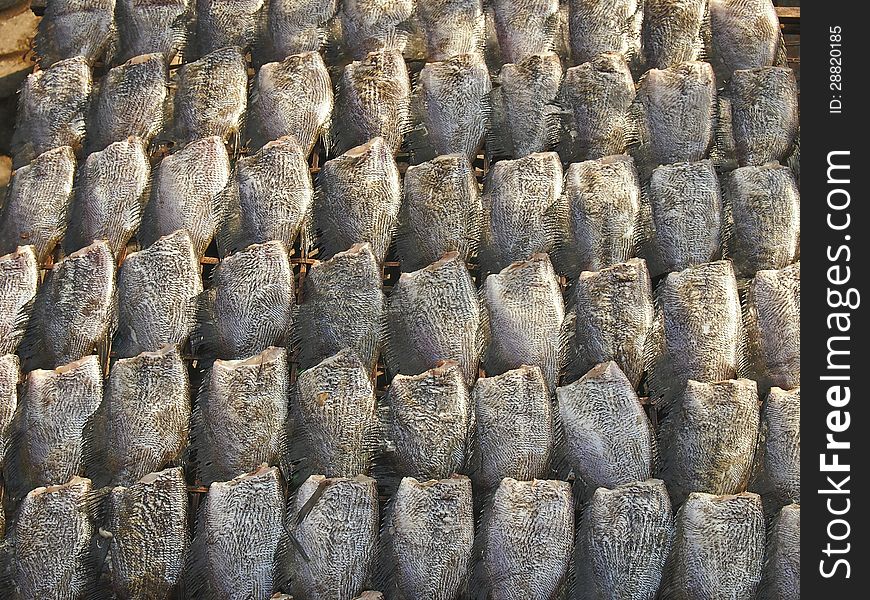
527 533
764 113
110 193
431 532
360 196
241 415
223 23
155 289
295 26
452 27
10 374
149 539
514 427
370 25
521 195
718 548
292 97
50 541
525 27
74 309
211 97
623 541
599 26
338 534
335 414
764 206
19 277
146 26
373 100
675 31
131 100
36 209
186 194
777 476
51 110
780 575
434 315
343 307
613 313
707 443
71 28
745 35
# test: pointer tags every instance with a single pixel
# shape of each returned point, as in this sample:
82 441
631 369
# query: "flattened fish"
431 531
335 522
370 25
708 442
146 26
780 576
223 23
676 31
336 416
10 374
36 209
522 195
528 531
608 439
131 100
295 26
148 526
778 468
452 27
241 415
360 197
343 308
186 192
71 28
110 193
764 205
19 276
155 290
514 427
718 548
51 110
746 35
433 315
598 26
525 27
613 314
764 113
623 542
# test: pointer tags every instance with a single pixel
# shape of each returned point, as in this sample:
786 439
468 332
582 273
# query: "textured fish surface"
514 427
145 416
676 31
772 316
429 422
603 199
430 529
336 527
251 303
156 287
452 27
599 26
130 100
224 23
370 25
525 27
598 96
295 26
149 535
745 35
612 316
608 439
241 415
10 374
52 107
146 26
521 195
434 315
110 193
72 28
780 576
359 201
211 96
440 212
718 548
50 541
73 310
343 307
373 100
336 417
707 444
186 193
778 468
292 97
19 276
36 209
527 533
623 541
764 113
764 205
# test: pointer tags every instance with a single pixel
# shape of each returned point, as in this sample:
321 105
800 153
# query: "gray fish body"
371 25
780 577
434 315
295 26
764 112
623 542
452 27
19 277
675 31
131 100
600 26
36 209
71 28
110 193
746 35
51 110
708 442
186 192
223 23
718 549
146 26
10 374
778 470
242 414
525 27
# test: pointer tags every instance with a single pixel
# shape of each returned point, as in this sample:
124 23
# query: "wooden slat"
789 14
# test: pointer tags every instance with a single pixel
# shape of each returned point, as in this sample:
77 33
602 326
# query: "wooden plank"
789 13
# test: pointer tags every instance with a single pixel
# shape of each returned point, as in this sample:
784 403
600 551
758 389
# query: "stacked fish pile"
486 424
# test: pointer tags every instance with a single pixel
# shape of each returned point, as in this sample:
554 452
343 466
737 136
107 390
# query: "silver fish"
223 23
745 35
10 374
295 26
452 27
598 26
764 113
780 576
525 27
71 28
371 25
778 471
19 276
146 26
675 31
